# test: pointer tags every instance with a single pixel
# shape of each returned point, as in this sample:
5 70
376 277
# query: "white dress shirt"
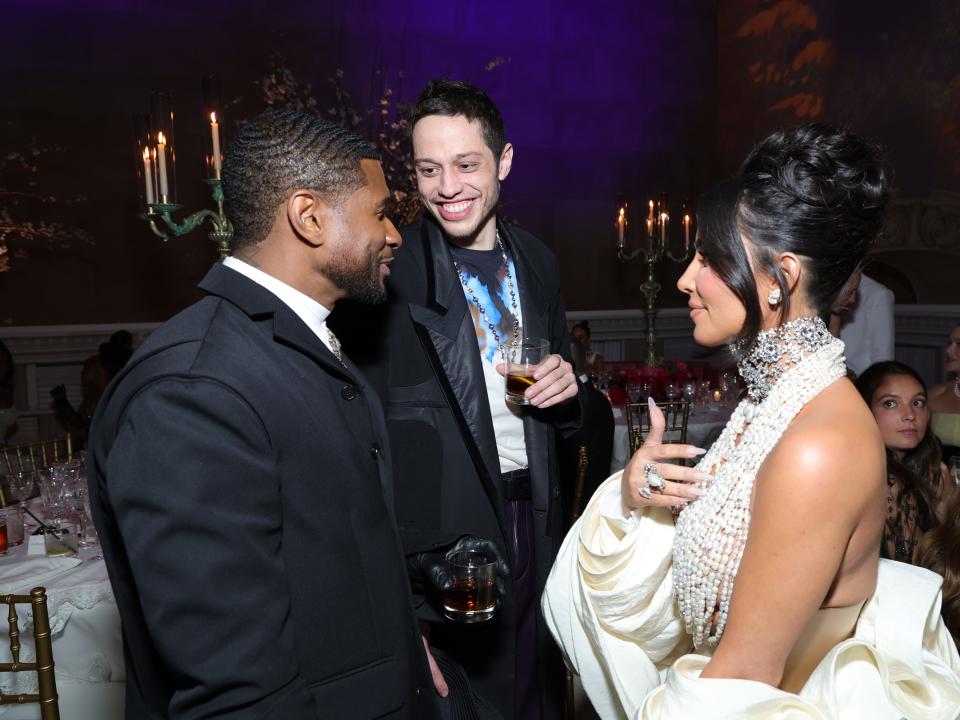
869 331
307 309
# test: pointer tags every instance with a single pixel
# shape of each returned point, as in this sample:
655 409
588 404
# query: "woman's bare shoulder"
833 445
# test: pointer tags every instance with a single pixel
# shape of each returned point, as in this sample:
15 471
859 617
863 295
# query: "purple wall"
600 100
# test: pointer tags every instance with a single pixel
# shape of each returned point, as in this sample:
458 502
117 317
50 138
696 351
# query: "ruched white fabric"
610 605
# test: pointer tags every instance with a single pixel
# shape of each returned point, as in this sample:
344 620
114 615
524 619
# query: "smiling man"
468 466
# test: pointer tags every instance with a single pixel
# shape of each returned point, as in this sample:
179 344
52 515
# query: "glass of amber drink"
473 596
521 358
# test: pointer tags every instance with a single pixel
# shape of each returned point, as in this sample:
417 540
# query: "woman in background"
938 551
918 483
945 399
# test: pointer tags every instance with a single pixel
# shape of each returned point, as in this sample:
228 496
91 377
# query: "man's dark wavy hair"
282 151
455 97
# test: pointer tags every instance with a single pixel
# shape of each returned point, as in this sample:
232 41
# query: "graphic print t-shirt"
485 274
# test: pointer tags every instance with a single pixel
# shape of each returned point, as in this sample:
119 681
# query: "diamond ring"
653 477
644 492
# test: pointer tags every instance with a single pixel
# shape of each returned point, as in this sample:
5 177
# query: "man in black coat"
240 472
468 465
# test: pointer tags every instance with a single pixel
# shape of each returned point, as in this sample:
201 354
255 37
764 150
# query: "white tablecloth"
87 645
703 427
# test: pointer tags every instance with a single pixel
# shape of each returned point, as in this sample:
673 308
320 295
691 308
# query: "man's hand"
433 568
438 682
555 382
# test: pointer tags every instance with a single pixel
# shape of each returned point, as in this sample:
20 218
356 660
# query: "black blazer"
238 475
420 350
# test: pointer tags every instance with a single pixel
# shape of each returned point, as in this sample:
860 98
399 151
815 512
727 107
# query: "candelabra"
654 247
156 170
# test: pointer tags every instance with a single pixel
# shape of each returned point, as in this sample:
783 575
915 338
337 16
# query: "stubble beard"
361 283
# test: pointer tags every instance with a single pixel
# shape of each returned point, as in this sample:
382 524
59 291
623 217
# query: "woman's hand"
649 480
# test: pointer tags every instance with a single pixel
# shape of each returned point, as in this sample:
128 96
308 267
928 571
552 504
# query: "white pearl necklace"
712 532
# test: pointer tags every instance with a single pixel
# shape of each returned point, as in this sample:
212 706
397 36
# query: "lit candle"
148 175
716 396
686 232
621 226
215 134
663 229
162 166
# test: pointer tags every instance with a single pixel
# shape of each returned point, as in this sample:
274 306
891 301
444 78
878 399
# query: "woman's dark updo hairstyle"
814 190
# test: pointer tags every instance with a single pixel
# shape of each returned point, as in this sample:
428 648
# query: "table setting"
711 401
48 541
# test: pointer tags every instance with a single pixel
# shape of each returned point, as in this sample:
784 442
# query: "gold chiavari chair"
576 507
43 666
43 454
676 413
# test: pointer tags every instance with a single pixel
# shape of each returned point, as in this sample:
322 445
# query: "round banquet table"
703 427
84 623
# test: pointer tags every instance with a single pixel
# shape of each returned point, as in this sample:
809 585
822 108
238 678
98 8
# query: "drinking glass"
473 596
672 391
703 392
521 359
52 492
634 392
690 390
21 486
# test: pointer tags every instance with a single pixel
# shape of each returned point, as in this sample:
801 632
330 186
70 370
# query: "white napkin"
21 577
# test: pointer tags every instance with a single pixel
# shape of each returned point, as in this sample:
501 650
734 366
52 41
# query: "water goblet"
690 391
634 392
672 391
21 487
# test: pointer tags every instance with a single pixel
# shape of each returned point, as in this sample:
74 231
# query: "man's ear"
308 216
506 162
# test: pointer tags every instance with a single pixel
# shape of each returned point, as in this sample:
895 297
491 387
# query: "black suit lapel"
535 325
446 330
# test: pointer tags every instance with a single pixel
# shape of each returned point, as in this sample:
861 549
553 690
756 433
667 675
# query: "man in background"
863 318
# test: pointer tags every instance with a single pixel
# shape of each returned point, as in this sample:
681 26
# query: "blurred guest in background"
945 399
863 318
938 551
590 361
918 484
8 410
97 372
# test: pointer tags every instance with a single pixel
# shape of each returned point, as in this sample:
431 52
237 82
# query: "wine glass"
21 486
52 492
634 392
672 391
690 391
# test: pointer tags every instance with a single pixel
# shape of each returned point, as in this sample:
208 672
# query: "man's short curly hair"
282 151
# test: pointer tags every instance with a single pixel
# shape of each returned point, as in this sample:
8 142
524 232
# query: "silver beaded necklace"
712 532
517 335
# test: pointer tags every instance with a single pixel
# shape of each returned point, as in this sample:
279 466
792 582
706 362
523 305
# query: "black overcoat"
238 474
420 350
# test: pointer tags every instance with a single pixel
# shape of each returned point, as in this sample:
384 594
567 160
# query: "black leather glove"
432 569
